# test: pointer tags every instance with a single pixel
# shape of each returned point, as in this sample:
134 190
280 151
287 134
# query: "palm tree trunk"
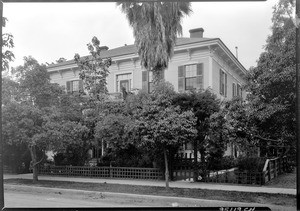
166 169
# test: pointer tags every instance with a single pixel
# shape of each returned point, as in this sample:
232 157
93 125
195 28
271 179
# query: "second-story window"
223 83
74 86
190 77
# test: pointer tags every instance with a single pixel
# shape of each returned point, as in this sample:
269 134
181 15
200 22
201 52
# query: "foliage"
155 28
157 124
10 90
221 163
271 83
7 44
112 129
203 104
255 164
131 156
34 113
34 84
94 70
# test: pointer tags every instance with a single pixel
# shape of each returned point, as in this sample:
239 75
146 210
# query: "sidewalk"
173 184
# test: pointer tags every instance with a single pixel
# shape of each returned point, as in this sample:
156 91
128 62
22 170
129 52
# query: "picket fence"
103 172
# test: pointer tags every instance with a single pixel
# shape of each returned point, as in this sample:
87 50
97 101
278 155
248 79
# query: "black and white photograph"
150 104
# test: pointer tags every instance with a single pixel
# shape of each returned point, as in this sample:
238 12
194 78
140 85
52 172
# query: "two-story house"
197 62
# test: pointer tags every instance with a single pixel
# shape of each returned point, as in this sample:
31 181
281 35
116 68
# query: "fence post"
276 167
110 172
269 170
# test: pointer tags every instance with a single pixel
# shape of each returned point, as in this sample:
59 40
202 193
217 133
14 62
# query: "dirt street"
24 196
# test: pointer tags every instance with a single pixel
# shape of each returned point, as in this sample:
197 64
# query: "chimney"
196 33
103 48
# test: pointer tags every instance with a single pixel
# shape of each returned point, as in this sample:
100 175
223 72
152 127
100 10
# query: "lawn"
287 180
263 198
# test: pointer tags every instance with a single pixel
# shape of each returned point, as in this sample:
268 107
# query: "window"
74 86
239 90
223 83
190 77
233 90
147 80
123 80
150 81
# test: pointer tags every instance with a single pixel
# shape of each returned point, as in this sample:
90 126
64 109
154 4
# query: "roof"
131 49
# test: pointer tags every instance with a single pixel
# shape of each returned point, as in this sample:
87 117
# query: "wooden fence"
103 172
181 167
272 168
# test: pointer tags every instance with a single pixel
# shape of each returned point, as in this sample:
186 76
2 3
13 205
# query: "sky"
48 31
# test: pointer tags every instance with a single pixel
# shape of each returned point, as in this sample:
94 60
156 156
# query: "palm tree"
155 28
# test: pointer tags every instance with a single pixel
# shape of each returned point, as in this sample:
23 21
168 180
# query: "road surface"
25 196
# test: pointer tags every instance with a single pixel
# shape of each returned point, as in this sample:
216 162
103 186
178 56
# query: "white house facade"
197 63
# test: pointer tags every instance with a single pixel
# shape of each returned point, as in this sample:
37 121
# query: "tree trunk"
203 166
166 169
34 163
195 176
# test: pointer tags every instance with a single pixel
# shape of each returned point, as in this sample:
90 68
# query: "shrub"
254 164
226 162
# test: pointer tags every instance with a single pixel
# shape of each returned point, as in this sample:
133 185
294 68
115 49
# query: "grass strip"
263 198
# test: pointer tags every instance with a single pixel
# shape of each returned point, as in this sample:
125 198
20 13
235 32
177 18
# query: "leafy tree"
160 125
10 90
33 115
234 123
112 130
272 82
65 135
155 28
7 44
203 104
22 124
34 84
94 70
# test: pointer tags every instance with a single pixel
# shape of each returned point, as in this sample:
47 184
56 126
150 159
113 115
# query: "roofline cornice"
194 45
231 56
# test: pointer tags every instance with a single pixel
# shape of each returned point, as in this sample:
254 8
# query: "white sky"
48 31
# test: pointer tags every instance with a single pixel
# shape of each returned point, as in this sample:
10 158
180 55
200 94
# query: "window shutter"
225 91
145 80
80 85
200 69
233 90
238 90
68 86
199 77
181 78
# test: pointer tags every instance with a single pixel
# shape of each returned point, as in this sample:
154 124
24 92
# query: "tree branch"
266 139
39 161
